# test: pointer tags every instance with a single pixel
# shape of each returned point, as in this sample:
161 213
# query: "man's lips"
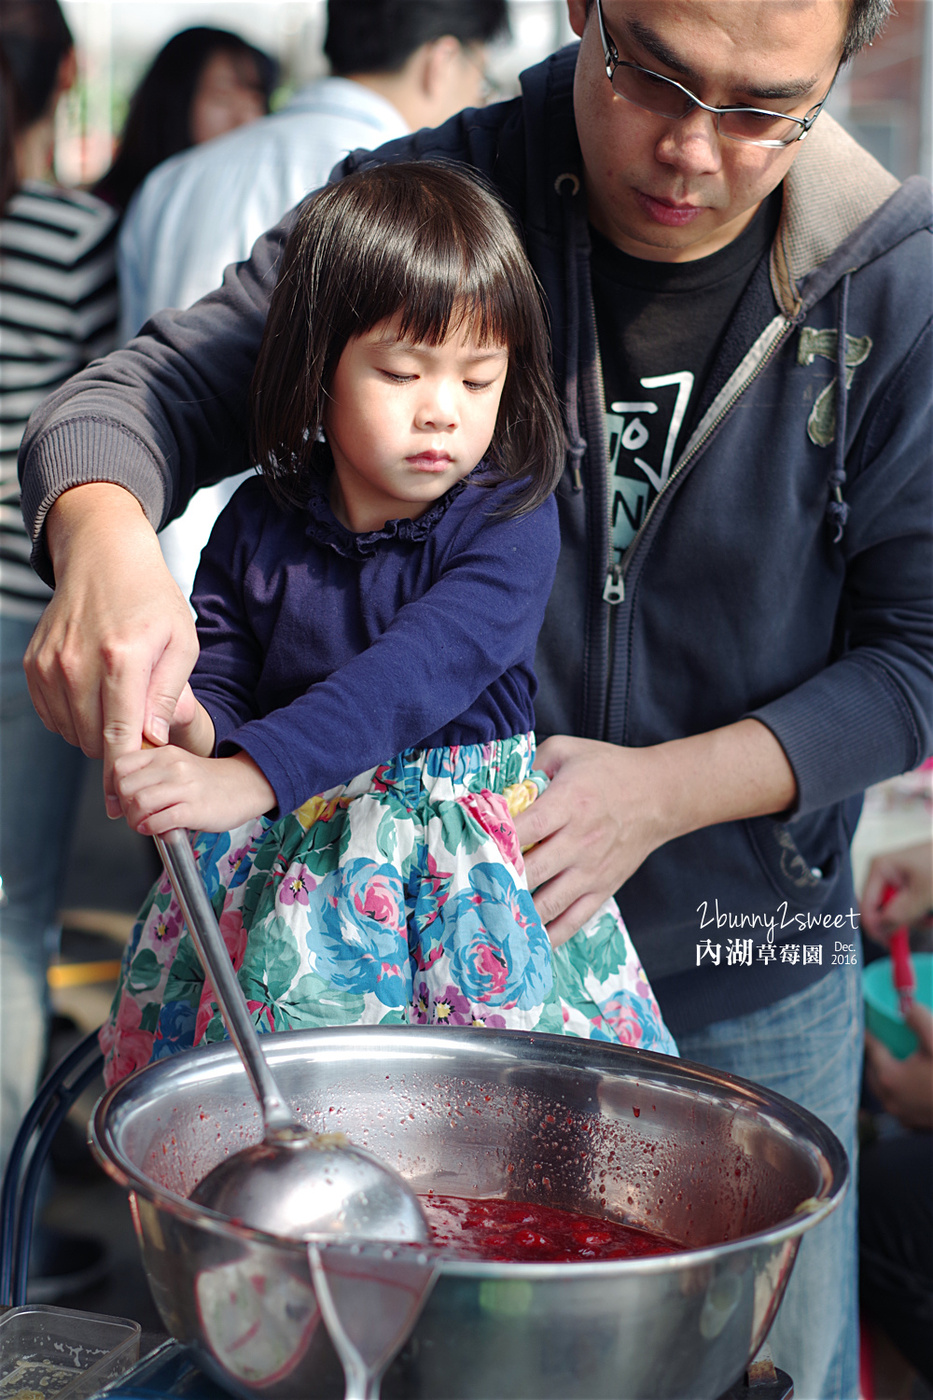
668 212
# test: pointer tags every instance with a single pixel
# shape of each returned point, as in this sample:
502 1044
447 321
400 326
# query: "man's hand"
904 1087
910 873
117 642
591 828
164 788
607 808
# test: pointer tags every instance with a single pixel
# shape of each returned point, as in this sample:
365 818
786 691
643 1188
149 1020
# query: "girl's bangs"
432 304
427 247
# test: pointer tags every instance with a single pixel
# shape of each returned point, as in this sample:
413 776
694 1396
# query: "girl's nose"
438 407
691 144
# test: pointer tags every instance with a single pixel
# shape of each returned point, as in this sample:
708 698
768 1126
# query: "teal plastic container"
882 1012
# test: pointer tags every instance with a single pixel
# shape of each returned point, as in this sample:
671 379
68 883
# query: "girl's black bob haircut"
427 243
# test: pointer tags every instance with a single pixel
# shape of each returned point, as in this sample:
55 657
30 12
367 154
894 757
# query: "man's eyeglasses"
667 98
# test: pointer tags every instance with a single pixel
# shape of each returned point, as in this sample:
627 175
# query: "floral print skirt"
399 898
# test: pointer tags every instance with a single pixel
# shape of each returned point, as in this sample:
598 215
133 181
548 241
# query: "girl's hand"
160 789
192 727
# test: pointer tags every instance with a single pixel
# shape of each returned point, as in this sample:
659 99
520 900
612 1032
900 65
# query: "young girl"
367 616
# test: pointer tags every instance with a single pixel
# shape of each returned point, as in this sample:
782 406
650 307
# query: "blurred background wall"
885 98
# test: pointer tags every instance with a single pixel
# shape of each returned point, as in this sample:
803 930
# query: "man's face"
672 191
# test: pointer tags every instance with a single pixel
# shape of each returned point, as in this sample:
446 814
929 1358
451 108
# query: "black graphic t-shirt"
659 326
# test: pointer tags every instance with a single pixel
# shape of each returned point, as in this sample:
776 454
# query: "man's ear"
439 54
576 13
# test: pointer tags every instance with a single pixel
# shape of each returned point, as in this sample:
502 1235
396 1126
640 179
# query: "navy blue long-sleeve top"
324 652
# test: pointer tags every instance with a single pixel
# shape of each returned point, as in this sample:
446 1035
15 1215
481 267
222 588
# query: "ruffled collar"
324 528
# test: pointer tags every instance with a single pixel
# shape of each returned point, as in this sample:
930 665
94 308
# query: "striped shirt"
58 311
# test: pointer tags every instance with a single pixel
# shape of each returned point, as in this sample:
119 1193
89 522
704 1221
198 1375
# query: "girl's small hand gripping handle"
902 968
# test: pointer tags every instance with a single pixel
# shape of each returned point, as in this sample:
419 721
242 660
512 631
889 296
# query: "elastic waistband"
449 772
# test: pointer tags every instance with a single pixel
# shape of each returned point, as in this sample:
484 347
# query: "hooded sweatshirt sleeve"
165 415
869 713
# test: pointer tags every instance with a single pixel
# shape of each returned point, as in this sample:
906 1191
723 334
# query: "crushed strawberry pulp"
523 1232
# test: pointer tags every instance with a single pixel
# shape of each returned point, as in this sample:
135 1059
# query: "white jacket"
204 209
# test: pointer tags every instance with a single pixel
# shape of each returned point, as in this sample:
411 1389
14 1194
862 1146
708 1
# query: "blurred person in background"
202 84
896 1170
58 310
397 65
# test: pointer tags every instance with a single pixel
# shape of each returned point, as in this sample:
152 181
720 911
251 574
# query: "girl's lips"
671 215
429 461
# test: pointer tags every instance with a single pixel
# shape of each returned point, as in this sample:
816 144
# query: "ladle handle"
182 870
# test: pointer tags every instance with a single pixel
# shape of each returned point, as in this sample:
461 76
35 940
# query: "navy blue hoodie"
784 573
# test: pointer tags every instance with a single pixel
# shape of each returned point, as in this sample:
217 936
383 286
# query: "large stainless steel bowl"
732 1171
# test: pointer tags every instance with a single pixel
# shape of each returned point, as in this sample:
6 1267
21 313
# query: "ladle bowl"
295 1182
734 1172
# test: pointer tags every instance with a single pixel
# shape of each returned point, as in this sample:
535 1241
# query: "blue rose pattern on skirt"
399 898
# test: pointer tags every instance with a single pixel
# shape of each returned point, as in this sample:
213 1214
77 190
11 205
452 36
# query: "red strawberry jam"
519 1232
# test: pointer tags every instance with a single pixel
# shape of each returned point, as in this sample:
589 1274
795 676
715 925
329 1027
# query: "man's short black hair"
379 36
867 19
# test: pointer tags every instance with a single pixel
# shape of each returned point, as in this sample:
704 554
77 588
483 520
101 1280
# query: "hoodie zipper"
614 586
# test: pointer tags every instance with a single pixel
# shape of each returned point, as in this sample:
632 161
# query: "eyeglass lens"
654 93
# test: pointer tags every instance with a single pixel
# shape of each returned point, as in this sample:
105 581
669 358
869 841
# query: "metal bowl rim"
121 1170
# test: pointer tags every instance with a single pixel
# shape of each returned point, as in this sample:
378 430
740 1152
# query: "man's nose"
691 144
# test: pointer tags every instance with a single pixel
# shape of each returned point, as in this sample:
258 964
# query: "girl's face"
406 420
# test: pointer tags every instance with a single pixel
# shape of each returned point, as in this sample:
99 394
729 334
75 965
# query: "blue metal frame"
61 1089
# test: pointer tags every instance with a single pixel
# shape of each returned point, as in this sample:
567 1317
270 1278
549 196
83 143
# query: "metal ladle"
296 1182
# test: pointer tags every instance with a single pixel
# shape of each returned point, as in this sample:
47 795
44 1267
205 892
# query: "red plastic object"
866 1359
902 969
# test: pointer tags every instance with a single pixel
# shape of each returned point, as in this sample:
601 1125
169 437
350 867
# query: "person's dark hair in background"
370 36
34 40
163 118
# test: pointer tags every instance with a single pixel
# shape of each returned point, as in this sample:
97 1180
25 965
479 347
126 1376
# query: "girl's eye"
477 385
398 378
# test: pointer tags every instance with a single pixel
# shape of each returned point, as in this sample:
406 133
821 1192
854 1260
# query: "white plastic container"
60 1354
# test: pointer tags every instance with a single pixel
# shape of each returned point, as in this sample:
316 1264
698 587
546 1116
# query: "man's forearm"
83 512
725 775
608 808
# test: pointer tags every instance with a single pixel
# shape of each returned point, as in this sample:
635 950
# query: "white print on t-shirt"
634 431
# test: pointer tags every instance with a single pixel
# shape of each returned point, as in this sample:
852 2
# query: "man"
751 647
397 65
